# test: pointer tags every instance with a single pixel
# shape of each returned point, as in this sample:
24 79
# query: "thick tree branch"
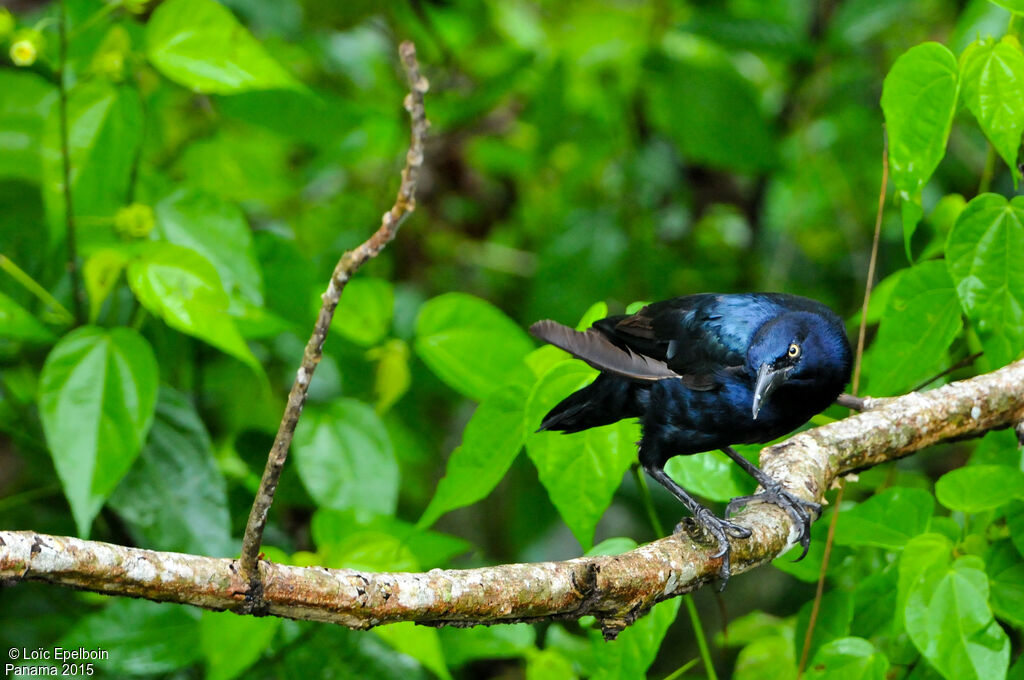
616 589
405 203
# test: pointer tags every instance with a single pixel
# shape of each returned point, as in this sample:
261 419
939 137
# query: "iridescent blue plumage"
703 372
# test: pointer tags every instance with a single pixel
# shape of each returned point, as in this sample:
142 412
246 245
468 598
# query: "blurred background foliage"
224 156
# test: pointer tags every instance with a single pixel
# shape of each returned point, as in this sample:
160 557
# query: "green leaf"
712 474
918 99
217 230
1016 6
887 520
199 44
174 497
419 642
975 488
104 132
549 664
1005 570
491 441
922 558
984 252
921 322
364 311
631 653
181 287
470 344
874 600
613 546
580 471
429 548
231 643
740 140
140 637
97 394
100 274
833 623
848 658
503 641
26 100
345 459
1015 523
767 658
16 323
992 82
949 621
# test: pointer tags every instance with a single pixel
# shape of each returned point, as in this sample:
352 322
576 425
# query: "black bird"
702 372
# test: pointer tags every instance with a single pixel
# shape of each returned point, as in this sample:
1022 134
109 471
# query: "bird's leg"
719 528
799 509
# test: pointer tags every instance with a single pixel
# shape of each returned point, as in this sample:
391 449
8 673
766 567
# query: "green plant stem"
32 286
988 171
91 21
691 607
65 153
678 673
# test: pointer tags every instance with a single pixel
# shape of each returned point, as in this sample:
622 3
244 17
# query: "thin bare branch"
616 589
405 203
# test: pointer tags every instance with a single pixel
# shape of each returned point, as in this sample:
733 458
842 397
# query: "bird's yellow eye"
793 351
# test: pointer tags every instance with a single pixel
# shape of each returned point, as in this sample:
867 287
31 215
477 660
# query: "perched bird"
702 372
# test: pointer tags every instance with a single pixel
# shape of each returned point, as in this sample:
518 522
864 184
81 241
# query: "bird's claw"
721 530
799 509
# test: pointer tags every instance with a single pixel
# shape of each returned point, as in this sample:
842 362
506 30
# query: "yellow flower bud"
23 53
134 221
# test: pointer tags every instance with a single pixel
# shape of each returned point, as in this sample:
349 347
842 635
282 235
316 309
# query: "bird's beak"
768 380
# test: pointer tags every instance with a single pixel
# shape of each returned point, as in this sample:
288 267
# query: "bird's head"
799 348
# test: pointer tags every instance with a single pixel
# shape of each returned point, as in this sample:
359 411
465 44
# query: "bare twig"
616 589
405 203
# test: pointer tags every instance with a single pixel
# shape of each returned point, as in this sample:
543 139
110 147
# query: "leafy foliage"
224 154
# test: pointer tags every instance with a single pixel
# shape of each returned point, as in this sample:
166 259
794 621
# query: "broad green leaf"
1015 523
140 637
16 323
595 312
741 140
199 44
503 641
429 548
419 642
848 658
345 459
97 394
975 488
174 497
25 102
984 252
549 664
1015 6
580 471
100 274
949 621
992 83
631 653
918 99
833 623
391 376
874 600
469 343
922 558
231 643
104 132
217 230
181 287
712 475
767 658
336 652
921 322
887 520
491 441
612 546
364 311
1005 570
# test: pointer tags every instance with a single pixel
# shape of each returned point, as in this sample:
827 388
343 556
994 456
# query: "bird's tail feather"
606 400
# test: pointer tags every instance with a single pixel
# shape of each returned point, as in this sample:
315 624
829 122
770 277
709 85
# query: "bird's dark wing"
597 350
699 337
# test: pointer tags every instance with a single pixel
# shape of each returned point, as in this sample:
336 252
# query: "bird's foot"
799 509
720 530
